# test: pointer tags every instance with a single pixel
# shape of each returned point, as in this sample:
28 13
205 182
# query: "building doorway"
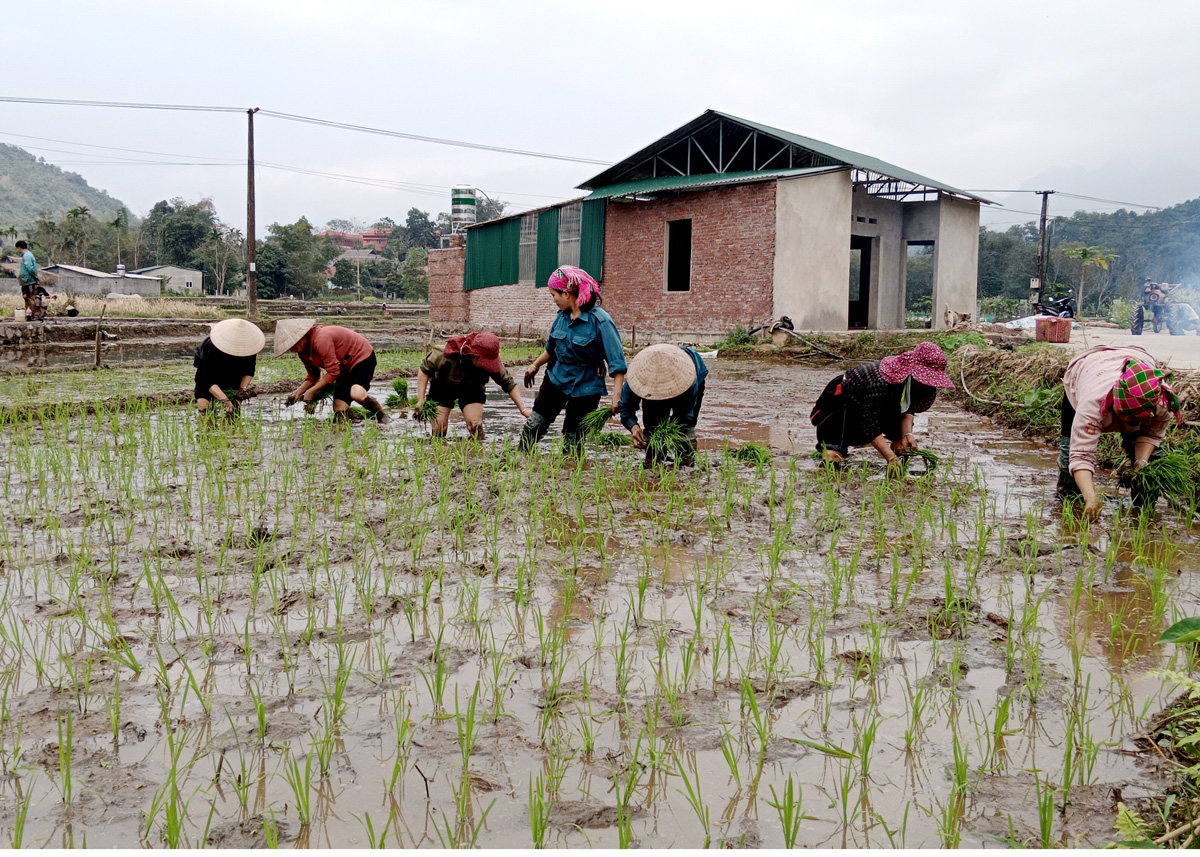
858 316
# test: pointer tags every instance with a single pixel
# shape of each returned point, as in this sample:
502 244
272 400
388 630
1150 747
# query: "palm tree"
1097 257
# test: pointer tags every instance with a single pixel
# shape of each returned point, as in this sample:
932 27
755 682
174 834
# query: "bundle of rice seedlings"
613 438
1169 475
594 422
233 394
427 411
667 438
395 400
400 385
753 453
929 459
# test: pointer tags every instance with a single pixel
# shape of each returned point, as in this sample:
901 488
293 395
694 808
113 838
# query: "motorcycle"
1063 307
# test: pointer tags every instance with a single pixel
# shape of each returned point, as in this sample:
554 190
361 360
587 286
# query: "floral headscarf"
926 363
568 277
1140 391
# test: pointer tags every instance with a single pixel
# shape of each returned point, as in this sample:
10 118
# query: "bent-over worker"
225 360
1111 389
667 382
333 355
875 404
459 374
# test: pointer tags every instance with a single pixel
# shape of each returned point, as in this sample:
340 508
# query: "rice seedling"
695 800
428 410
613 439
1167 475
789 809
593 422
929 460
750 453
667 438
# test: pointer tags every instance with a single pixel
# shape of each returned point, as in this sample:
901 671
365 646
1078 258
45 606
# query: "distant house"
184 281
377 238
344 240
73 279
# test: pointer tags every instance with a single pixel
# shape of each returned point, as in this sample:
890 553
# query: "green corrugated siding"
547 245
493 253
591 237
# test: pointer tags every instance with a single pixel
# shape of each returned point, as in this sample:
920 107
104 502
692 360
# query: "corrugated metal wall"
547 246
493 254
494 249
591 237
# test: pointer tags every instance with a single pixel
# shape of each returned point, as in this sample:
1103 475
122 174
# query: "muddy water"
211 613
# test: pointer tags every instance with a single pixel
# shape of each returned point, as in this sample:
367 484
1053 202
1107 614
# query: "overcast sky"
1092 98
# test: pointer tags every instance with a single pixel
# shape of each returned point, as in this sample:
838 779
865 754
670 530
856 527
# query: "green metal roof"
819 155
664 183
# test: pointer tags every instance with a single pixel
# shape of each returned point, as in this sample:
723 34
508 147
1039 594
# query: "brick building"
719 223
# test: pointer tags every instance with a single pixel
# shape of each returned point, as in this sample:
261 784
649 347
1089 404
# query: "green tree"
307 257
1089 257
418 229
414 276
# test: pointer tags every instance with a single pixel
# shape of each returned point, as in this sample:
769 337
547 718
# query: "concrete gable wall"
812 250
956 263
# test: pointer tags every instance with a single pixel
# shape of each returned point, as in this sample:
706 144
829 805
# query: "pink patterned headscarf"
926 363
1141 390
568 278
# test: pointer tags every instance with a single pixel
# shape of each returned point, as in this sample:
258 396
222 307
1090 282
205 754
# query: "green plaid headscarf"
1140 390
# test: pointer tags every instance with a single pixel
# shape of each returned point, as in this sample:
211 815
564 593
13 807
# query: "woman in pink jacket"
1111 389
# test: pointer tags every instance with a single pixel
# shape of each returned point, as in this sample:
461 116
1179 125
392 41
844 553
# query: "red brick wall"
733 264
733 261
448 303
502 309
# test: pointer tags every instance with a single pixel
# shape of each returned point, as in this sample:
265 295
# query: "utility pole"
251 272
358 277
1041 254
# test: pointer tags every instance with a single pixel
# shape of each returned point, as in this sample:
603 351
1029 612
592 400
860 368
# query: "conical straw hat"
661 372
237 337
288 332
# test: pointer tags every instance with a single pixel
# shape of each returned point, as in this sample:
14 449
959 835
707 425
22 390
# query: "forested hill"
30 187
1163 245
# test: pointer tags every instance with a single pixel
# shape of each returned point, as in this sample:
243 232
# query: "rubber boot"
535 429
377 411
1066 488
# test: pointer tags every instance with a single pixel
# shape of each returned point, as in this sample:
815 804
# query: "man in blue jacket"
666 382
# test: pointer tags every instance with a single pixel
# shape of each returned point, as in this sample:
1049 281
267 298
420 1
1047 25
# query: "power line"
312 120
133 105
327 123
1111 201
416 187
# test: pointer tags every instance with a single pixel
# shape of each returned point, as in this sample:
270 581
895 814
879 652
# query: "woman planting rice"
347 358
1108 389
667 382
583 343
459 373
225 360
875 404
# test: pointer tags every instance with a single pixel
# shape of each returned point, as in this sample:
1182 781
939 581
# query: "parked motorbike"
1063 307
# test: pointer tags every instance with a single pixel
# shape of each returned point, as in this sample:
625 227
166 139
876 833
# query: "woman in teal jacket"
582 348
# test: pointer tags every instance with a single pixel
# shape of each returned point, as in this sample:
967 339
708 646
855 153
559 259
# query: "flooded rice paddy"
274 630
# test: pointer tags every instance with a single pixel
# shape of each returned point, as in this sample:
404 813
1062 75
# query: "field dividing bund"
275 630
